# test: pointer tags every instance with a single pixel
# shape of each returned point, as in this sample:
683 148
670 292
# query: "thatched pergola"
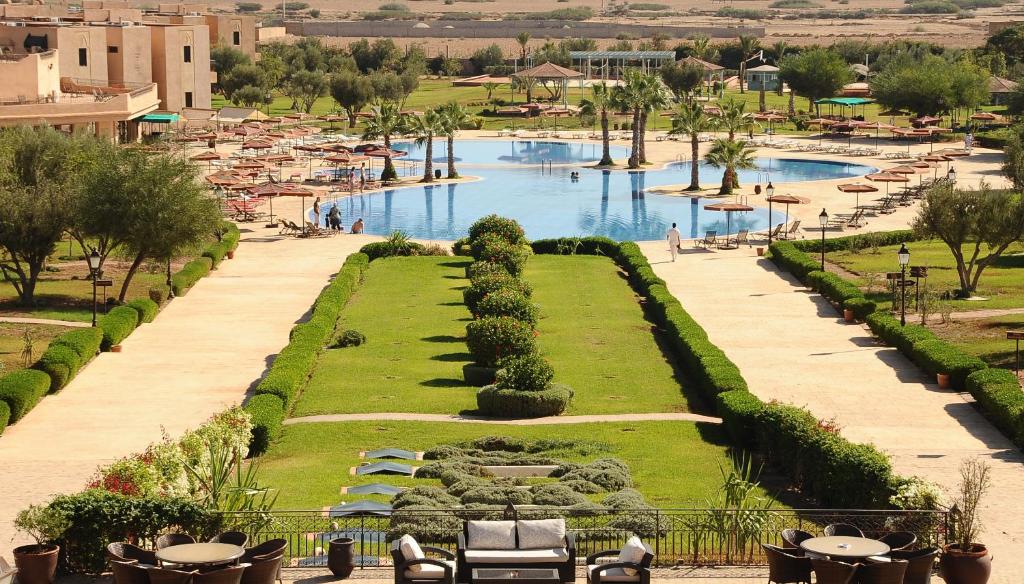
551 72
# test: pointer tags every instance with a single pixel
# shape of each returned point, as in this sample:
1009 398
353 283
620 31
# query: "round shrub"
625 499
507 229
117 325
5 416
477 269
509 256
146 308
424 497
511 403
608 473
508 302
558 495
492 339
22 390
490 495
84 341
526 373
350 338
483 285
61 363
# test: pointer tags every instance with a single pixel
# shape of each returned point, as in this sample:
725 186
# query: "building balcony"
82 101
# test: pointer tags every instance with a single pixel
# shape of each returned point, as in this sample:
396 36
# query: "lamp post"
94 272
770 189
823 220
170 283
951 175
903 255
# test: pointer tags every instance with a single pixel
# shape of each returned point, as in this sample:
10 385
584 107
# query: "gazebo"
551 72
712 72
611 64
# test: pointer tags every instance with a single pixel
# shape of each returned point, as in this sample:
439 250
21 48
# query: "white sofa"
541 543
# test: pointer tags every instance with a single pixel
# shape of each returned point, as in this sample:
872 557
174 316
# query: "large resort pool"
548 203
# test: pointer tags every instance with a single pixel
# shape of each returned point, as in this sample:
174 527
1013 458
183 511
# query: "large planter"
848 315
341 556
943 380
36 564
478 376
973 566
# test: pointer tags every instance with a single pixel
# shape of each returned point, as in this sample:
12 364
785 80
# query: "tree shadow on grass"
452 357
456 263
451 303
443 382
450 277
443 339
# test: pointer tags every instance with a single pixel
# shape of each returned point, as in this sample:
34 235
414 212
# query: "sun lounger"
774 232
792 232
710 239
289 228
742 236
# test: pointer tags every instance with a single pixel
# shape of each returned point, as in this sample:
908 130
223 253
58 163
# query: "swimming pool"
506 152
548 204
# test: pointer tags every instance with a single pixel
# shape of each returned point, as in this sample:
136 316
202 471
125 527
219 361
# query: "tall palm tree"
748 44
734 117
691 120
632 96
453 117
523 39
779 48
731 155
599 102
655 99
425 127
387 119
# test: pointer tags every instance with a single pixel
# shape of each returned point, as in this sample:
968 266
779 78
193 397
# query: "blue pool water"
549 204
503 152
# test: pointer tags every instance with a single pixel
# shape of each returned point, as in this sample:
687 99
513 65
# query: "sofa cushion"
411 551
613 575
491 535
633 552
541 533
428 571
541 556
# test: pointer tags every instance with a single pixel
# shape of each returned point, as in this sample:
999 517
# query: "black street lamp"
823 220
903 255
770 190
94 273
951 175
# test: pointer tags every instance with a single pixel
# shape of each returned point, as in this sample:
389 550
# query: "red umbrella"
729 209
207 157
886 177
857 188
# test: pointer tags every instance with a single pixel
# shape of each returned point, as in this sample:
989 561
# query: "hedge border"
838 472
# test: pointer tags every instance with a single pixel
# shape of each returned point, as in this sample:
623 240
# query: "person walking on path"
674 240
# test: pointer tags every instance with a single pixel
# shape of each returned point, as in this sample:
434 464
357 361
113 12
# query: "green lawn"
1002 283
984 337
672 463
411 311
12 343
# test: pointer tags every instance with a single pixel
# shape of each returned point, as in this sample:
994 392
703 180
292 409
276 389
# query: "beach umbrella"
271 190
953 152
219 179
786 200
857 188
876 126
248 165
298 192
822 123
887 177
207 157
728 209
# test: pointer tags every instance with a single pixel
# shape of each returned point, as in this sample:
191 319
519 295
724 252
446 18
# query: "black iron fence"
699 537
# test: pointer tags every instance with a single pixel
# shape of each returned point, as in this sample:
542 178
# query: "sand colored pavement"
792 346
200 355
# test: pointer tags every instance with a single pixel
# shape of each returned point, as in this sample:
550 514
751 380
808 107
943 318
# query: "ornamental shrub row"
146 308
292 366
860 241
229 238
999 394
517 403
189 274
788 257
116 325
22 390
5 416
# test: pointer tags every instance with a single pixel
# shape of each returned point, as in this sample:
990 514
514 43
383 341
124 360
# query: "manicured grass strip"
674 464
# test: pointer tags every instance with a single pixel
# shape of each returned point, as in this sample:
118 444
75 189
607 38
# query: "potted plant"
341 556
848 315
965 561
37 563
943 380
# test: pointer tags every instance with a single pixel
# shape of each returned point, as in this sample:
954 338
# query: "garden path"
28 320
652 417
200 355
792 346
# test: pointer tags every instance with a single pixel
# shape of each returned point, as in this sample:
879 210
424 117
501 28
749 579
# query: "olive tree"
815 74
977 225
353 91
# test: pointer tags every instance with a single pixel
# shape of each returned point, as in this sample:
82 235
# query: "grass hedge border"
116 325
22 390
266 411
5 416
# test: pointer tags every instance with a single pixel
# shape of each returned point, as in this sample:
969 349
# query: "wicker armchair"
829 572
616 571
265 550
172 539
263 571
129 573
786 568
232 575
791 538
899 540
920 564
126 552
431 570
882 572
168 576
233 537
843 529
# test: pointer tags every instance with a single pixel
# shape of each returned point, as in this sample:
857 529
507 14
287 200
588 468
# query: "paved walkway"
792 346
200 355
27 320
550 420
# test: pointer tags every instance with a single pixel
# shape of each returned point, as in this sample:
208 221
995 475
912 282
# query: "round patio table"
200 554
841 546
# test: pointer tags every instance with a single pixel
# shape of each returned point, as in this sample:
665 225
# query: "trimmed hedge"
189 274
577 246
293 364
514 403
61 363
84 341
117 325
508 302
5 416
903 338
492 339
266 413
861 307
146 308
860 241
383 249
22 390
739 411
1001 399
786 255
937 356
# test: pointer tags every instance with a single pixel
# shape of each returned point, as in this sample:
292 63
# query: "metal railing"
699 537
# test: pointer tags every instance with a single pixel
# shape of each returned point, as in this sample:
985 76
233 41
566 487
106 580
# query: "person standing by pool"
362 177
316 212
334 216
674 240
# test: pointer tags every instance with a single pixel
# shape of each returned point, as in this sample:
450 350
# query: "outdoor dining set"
180 559
843 555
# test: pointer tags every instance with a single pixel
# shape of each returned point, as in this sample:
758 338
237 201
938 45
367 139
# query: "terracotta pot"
973 566
760 251
943 379
115 348
231 254
36 564
341 557
848 315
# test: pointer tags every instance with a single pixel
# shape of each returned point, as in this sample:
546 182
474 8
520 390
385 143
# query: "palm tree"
490 87
631 96
779 48
655 99
523 39
748 44
731 155
734 117
600 101
453 117
387 119
691 121
425 127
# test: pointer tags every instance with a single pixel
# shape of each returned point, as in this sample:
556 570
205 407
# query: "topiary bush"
116 325
511 403
789 258
22 390
483 284
477 269
146 308
558 495
84 341
266 412
525 373
497 251
739 410
861 307
508 302
904 338
508 230
61 363
189 274
999 394
493 339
